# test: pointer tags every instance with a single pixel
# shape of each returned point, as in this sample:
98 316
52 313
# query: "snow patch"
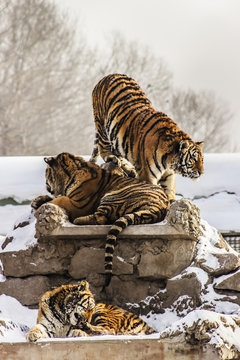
22 234
15 319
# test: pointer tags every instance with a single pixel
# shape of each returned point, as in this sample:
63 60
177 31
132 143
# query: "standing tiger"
129 128
70 310
92 195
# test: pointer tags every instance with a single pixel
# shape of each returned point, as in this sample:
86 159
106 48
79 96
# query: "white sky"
198 39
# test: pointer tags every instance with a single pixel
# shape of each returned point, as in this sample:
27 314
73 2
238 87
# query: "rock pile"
180 275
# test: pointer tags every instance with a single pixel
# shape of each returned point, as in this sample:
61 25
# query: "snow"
8 215
15 319
221 173
217 194
223 334
22 178
21 237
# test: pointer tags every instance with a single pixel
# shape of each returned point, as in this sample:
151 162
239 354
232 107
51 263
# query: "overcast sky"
198 39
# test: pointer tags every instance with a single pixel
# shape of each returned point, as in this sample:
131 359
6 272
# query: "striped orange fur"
130 129
92 195
70 310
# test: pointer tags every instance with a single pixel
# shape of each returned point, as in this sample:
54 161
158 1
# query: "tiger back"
130 129
70 311
91 195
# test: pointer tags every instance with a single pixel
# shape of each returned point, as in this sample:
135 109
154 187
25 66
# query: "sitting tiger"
129 129
92 195
70 310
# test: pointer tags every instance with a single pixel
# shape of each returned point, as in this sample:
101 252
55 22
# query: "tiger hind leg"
95 151
93 219
97 329
103 147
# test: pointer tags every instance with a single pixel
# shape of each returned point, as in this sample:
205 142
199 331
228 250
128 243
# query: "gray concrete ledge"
110 349
151 231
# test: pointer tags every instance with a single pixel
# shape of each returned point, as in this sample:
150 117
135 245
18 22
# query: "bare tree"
47 73
151 72
203 116
43 79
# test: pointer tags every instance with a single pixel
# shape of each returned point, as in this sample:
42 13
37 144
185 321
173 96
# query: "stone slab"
158 230
110 349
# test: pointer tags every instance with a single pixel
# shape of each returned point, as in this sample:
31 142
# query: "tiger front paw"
36 333
113 159
130 172
77 333
40 200
49 216
128 168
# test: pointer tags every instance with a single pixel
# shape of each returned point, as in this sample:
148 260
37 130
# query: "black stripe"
150 169
111 241
114 232
45 315
120 223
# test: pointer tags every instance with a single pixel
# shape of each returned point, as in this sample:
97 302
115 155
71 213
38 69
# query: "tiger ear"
183 145
49 160
83 285
200 144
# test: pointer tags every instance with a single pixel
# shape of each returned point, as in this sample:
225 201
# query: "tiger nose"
77 316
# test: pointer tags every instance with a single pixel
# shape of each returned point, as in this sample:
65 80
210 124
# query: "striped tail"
95 151
115 230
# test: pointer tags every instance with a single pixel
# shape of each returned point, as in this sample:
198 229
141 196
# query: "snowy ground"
217 194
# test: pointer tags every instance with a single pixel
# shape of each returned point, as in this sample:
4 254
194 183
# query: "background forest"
48 71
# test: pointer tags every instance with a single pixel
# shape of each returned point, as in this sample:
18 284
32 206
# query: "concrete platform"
109 349
150 231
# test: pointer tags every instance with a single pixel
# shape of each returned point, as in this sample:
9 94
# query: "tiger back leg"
97 329
93 219
95 151
103 147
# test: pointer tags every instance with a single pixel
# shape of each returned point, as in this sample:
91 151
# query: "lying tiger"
70 310
92 195
130 129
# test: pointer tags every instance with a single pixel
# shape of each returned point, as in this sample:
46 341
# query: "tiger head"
78 302
61 170
190 159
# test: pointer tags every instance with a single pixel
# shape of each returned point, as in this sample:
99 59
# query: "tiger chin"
91 195
130 129
70 311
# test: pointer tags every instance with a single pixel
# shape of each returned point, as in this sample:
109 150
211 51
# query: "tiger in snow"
70 311
144 141
92 195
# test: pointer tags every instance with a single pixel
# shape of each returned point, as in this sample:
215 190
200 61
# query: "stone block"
48 257
163 259
28 290
90 260
125 290
229 282
220 264
185 291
